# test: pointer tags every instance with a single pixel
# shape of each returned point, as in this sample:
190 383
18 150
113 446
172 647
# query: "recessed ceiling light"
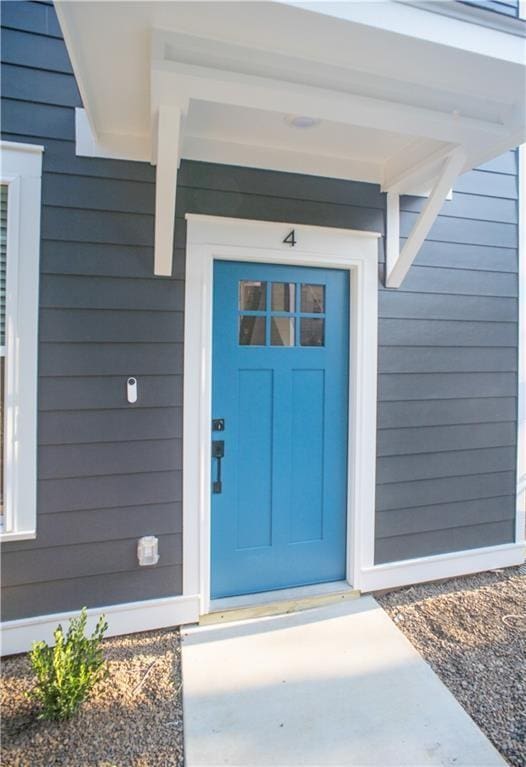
302 121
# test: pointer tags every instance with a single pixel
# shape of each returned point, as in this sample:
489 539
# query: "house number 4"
290 239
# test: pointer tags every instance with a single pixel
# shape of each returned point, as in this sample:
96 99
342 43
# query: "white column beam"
168 157
392 236
399 262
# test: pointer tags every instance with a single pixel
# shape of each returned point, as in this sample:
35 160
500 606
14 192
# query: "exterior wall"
110 472
505 7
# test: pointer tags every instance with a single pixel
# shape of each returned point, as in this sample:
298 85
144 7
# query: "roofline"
472 14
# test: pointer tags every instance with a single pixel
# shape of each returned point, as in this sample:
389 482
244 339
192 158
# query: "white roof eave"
139 75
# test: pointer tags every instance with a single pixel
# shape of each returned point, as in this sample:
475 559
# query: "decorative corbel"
399 261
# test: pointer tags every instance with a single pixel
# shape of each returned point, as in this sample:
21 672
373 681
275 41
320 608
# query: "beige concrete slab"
337 685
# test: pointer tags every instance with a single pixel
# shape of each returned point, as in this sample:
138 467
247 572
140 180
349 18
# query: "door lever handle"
218 452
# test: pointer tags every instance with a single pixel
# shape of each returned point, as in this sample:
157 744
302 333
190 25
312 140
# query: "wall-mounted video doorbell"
131 389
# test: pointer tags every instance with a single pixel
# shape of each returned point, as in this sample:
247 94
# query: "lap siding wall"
110 472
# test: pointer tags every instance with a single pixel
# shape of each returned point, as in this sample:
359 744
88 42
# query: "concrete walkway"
337 685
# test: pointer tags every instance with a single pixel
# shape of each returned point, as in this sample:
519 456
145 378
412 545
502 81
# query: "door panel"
280 382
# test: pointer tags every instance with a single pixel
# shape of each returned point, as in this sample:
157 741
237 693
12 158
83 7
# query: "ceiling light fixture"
302 121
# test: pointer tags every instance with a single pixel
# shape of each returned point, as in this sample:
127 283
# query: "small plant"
68 671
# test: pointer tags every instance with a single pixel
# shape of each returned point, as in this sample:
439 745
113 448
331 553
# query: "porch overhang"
408 106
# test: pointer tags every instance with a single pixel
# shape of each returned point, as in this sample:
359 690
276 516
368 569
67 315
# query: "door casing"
210 238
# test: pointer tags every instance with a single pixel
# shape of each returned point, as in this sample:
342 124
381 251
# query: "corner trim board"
520 532
126 618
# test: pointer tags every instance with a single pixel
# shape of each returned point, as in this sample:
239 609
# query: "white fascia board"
171 81
406 20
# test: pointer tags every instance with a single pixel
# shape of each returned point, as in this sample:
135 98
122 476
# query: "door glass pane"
312 331
283 296
252 331
282 331
252 295
313 299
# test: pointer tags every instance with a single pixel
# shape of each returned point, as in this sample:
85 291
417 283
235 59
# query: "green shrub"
67 672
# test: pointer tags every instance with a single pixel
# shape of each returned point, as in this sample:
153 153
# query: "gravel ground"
472 631
132 719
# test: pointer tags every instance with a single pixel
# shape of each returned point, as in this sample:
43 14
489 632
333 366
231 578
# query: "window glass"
282 331
283 296
252 295
313 299
252 331
312 331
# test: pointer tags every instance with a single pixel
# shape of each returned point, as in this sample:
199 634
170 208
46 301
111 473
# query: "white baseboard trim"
131 617
434 568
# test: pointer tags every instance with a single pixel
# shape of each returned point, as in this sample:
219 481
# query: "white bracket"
399 261
170 122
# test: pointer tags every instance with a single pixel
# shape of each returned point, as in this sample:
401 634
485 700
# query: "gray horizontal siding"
69 528
31 17
69 427
95 393
36 51
111 326
54 88
397 386
80 560
431 439
443 359
409 332
456 255
61 159
437 412
398 522
444 306
99 359
97 590
87 460
443 541
425 492
110 472
75 494
454 463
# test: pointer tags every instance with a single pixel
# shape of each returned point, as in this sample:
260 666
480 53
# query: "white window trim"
210 238
21 170
520 534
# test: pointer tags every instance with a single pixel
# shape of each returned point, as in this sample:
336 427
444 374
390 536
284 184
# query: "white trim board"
211 238
410 571
22 172
520 533
128 618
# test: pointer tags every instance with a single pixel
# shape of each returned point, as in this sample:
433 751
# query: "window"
20 188
267 312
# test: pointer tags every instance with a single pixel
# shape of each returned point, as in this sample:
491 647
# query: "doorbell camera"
131 390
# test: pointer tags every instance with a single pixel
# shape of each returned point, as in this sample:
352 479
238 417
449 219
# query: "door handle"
218 452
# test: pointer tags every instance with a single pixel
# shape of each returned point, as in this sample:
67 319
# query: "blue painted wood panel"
280 519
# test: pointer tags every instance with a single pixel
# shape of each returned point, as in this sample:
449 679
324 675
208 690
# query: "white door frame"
210 238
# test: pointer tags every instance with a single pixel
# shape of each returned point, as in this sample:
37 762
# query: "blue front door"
279 404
